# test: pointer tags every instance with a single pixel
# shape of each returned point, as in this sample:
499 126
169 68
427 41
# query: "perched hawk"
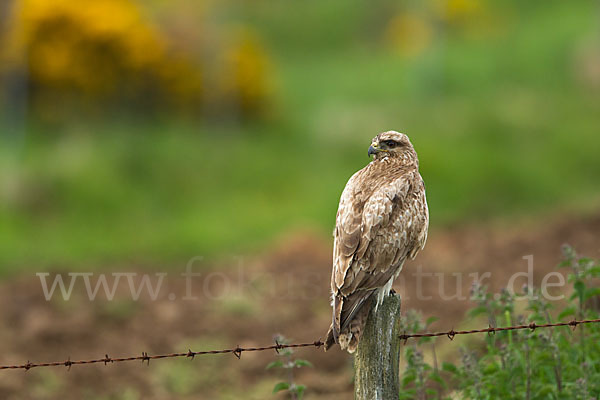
381 221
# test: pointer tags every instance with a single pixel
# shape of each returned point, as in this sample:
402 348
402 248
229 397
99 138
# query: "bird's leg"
392 291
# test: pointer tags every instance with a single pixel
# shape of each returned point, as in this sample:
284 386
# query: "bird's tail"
349 317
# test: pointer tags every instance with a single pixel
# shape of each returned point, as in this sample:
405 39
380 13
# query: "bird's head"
394 145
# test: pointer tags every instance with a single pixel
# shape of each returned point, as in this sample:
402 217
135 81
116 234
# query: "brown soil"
245 303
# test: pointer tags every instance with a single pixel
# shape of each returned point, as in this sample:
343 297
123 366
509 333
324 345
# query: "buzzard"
382 220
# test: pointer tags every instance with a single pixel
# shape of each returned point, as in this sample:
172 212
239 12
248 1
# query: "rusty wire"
146 358
237 351
491 330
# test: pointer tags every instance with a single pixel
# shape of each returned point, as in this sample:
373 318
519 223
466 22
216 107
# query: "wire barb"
190 354
574 323
532 326
404 337
238 352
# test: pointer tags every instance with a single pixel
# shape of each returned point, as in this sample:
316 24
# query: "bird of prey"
381 222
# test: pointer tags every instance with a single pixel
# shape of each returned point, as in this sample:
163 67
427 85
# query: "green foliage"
419 379
489 112
281 386
286 362
549 363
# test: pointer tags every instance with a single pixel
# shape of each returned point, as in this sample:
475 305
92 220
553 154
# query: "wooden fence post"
376 363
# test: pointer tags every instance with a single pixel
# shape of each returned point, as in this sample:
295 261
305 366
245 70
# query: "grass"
501 124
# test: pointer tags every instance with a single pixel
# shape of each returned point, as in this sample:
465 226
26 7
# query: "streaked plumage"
382 220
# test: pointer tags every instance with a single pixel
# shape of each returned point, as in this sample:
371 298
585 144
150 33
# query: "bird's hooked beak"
374 149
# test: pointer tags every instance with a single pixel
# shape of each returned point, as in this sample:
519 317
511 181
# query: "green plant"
551 363
419 379
288 363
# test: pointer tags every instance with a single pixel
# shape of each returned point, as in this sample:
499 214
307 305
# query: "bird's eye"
390 143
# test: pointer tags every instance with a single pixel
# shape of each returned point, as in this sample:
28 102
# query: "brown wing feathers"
367 254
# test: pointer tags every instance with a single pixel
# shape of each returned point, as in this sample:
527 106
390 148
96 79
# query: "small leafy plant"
420 380
550 363
288 363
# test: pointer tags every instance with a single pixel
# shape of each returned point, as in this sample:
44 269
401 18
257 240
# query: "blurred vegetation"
288 363
151 132
109 54
549 363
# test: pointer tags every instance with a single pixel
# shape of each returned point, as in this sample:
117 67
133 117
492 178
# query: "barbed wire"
144 357
491 330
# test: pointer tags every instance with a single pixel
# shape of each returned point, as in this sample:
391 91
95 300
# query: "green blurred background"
151 131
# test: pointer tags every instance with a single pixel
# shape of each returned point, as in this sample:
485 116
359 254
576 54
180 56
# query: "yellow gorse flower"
109 49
